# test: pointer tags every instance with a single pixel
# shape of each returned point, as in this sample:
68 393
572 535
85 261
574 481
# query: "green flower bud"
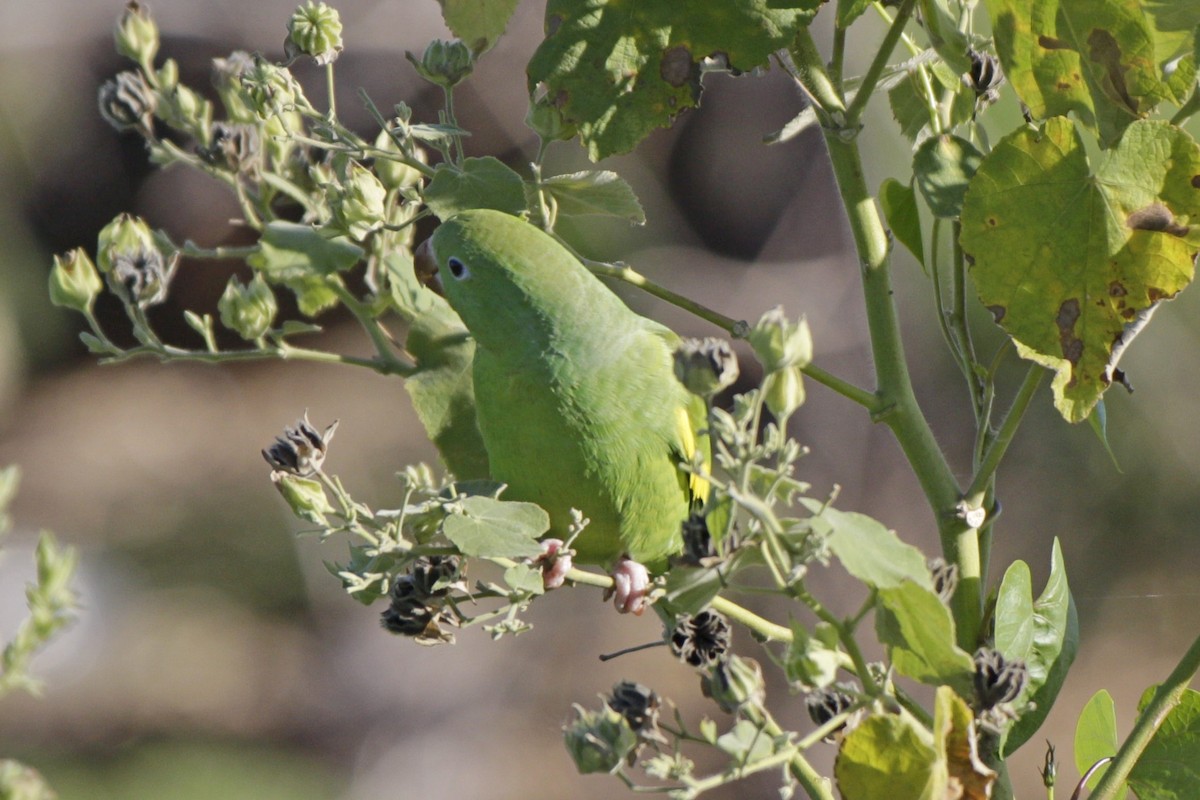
267 89
446 64
248 309
705 366
137 270
136 34
778 343
125 234
357 202
734 683
546 120
305 496
599 741
227 80
783 391
127 101
315 30
184 110
74 281
393 173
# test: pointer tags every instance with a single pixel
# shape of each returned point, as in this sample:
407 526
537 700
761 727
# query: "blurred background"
215 657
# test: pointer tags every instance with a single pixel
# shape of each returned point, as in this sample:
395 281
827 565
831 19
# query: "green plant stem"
379 338
329 86
765 628
623 272
896 404
811 75
285 352
879 63
1166 698
816 785
736 328
1008 428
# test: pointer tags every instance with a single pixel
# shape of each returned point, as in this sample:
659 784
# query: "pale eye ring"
457 268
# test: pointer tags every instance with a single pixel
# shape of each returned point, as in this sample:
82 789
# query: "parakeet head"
508 280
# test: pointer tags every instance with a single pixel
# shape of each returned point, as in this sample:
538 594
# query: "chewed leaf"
618 70
1070 262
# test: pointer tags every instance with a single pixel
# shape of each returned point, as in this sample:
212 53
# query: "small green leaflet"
899 203
919 633
1096 736
288 251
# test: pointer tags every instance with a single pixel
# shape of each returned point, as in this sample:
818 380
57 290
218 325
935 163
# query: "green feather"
576 396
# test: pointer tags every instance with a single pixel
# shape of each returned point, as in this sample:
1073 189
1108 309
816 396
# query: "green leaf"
409 297
595 192
899 202
1169 767
525 579
618 70
490 528
313 294
918 631
942 28
1043 633
289 251
812 659
892 756
443 389
943 166
1098 420
910 106
868 550
479 183
1173 28
1096 736
850 10
1070 262
689 590
746 742
1095 58
479 23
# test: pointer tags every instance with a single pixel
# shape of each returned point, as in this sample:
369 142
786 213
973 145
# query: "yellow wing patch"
697 485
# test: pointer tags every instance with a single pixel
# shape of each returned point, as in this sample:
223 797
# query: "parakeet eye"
457 268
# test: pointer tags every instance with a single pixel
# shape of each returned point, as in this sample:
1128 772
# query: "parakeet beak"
426 268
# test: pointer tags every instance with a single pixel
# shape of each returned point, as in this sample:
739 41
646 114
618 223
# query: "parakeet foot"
631 585
555 562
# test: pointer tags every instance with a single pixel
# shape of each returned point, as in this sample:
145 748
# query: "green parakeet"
576 395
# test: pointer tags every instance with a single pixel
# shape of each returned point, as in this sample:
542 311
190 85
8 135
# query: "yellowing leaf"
1071 262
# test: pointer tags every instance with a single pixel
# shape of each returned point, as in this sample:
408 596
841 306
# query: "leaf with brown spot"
1075 258
1100 59
620 69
